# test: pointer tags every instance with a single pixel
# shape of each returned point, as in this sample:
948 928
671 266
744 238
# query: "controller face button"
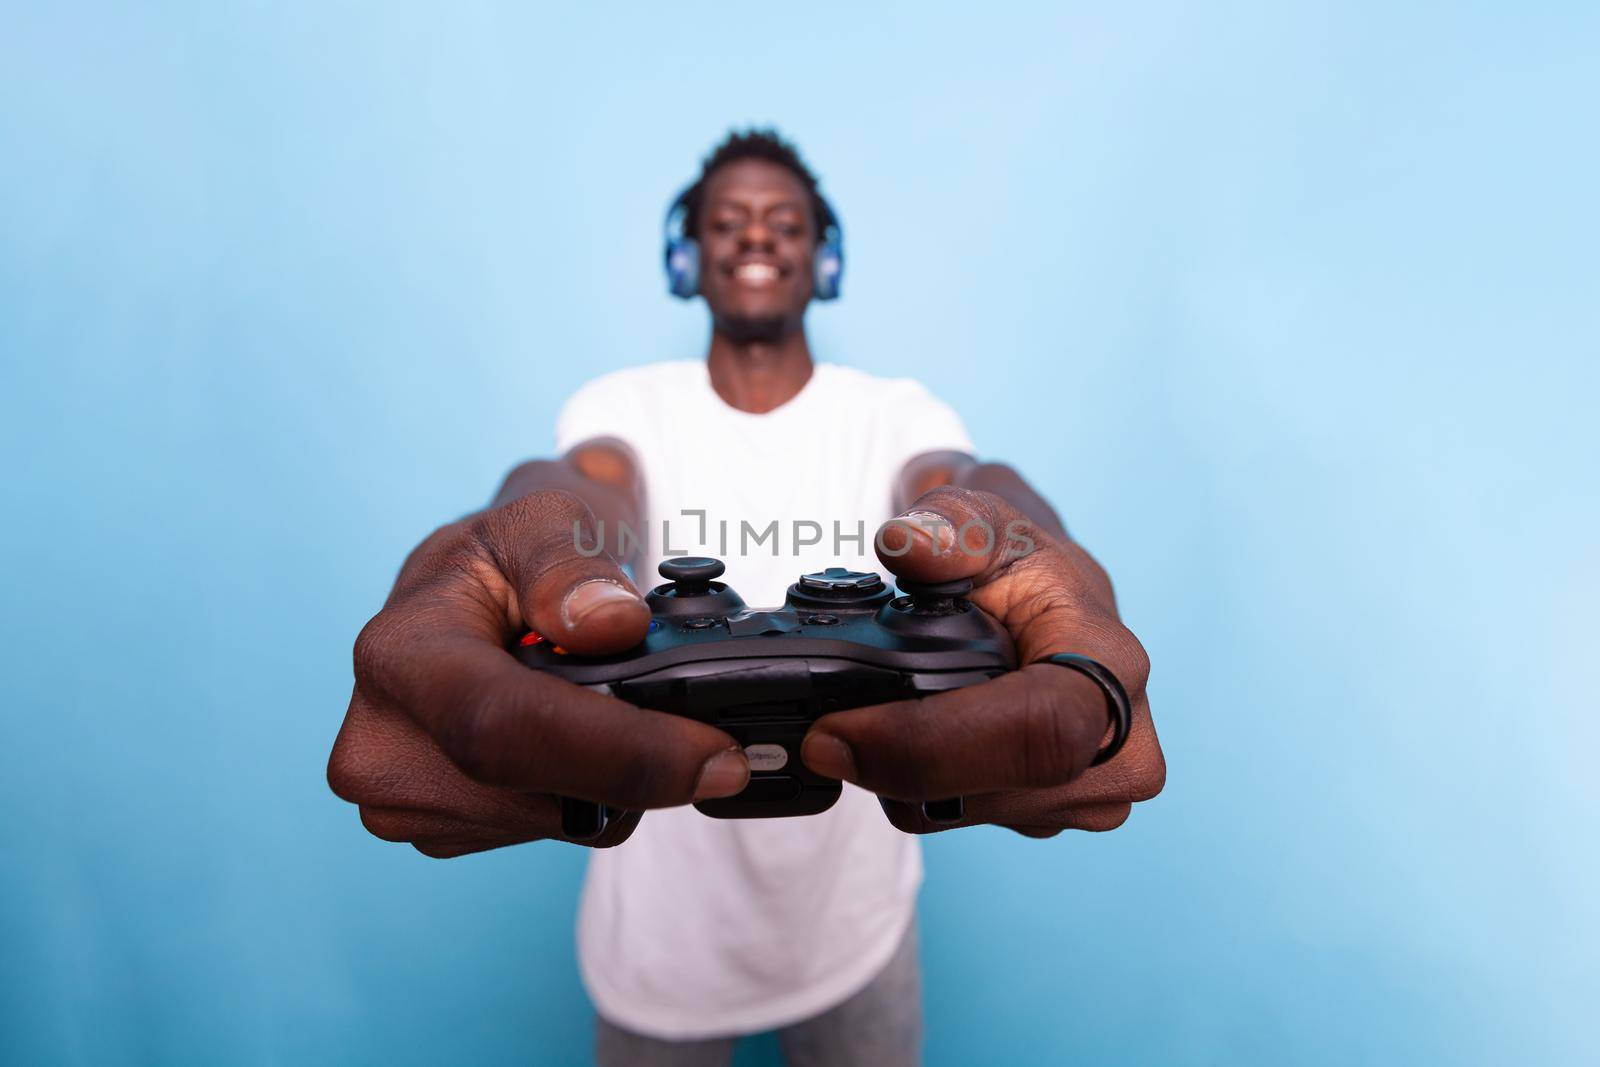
822 620
766 757
699 622
530 639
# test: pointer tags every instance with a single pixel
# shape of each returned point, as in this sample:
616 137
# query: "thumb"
566 589
949 534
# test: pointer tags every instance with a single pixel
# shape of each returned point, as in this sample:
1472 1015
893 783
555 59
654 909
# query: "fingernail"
829 756
723 775
939 531
587 597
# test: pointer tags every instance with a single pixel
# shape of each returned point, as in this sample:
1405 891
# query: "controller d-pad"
837 586
838 582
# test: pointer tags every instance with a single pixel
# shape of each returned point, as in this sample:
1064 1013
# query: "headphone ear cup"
683 267
827 269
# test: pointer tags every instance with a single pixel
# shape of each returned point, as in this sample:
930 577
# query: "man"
702 929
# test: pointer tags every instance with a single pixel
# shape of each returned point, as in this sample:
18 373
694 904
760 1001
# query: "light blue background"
1290 308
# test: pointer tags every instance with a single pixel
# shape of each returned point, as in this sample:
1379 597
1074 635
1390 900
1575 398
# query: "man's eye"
723 226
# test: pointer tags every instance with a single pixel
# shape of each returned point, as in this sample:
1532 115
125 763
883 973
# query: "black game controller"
842 640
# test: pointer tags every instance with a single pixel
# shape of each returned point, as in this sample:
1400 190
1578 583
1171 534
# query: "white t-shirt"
697 927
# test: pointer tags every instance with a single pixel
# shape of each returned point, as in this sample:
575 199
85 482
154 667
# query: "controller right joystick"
934 598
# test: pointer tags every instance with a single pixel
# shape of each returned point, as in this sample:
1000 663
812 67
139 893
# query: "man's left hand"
1018 748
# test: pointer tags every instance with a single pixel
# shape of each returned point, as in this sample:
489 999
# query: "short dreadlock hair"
753 144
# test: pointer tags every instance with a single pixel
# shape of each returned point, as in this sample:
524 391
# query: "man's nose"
756 234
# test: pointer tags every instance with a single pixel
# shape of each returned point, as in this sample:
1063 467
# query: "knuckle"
484 528
344 777
372 649
1040 833
385 825
1105 819
1134 777
1134 659
1149 778
442 552
350 771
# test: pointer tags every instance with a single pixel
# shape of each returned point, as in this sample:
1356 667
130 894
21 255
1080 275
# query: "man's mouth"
757 275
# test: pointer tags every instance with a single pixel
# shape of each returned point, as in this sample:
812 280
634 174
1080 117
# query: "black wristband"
1121 712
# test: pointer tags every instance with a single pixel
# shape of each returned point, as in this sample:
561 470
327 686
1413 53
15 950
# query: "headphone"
683 253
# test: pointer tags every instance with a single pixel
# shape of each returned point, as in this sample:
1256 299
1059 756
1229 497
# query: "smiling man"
702 929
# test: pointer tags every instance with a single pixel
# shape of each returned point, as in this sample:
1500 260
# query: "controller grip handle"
949 810
582 820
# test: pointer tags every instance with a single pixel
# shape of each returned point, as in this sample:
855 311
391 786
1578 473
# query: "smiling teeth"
756 272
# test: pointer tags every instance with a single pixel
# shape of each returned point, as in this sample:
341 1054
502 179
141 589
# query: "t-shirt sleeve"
924 423
605 407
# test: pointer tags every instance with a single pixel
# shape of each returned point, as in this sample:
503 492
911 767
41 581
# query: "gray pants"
881 1026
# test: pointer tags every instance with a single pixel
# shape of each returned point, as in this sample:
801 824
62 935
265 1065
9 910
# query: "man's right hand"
452 745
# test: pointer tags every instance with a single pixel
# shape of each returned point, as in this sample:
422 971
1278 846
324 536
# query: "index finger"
1036 727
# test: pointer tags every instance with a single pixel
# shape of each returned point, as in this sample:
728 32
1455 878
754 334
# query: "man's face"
757 240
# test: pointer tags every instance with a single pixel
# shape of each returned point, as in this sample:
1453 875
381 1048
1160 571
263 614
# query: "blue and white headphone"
683 254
